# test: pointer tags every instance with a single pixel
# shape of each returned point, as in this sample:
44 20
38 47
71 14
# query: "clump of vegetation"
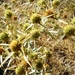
37 37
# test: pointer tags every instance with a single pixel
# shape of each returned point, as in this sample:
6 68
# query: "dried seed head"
48 54
35 18
48 12
41 3
56 2
8 13
1 50
35 34
39 65
19 70
15 46
3 36
24 64
69 30
5 5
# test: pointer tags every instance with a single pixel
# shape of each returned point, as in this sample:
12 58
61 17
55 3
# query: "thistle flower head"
19 70
5 5
41 3
35 34
56 2
39 65
15 45
3 36
24 64
8 13
69 30
48 54
35 18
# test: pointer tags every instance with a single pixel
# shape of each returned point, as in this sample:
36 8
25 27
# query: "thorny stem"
1 59
4 44
7 58
47 31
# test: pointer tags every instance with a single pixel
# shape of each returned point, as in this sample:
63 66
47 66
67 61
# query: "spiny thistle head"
35 18
69 30
24 64
1 50
8 13
56 2
41 3
5 5
30 0
19 70
48 54
3 36
39 65
35 34
15 45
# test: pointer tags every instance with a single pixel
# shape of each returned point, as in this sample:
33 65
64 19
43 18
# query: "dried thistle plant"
44 34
